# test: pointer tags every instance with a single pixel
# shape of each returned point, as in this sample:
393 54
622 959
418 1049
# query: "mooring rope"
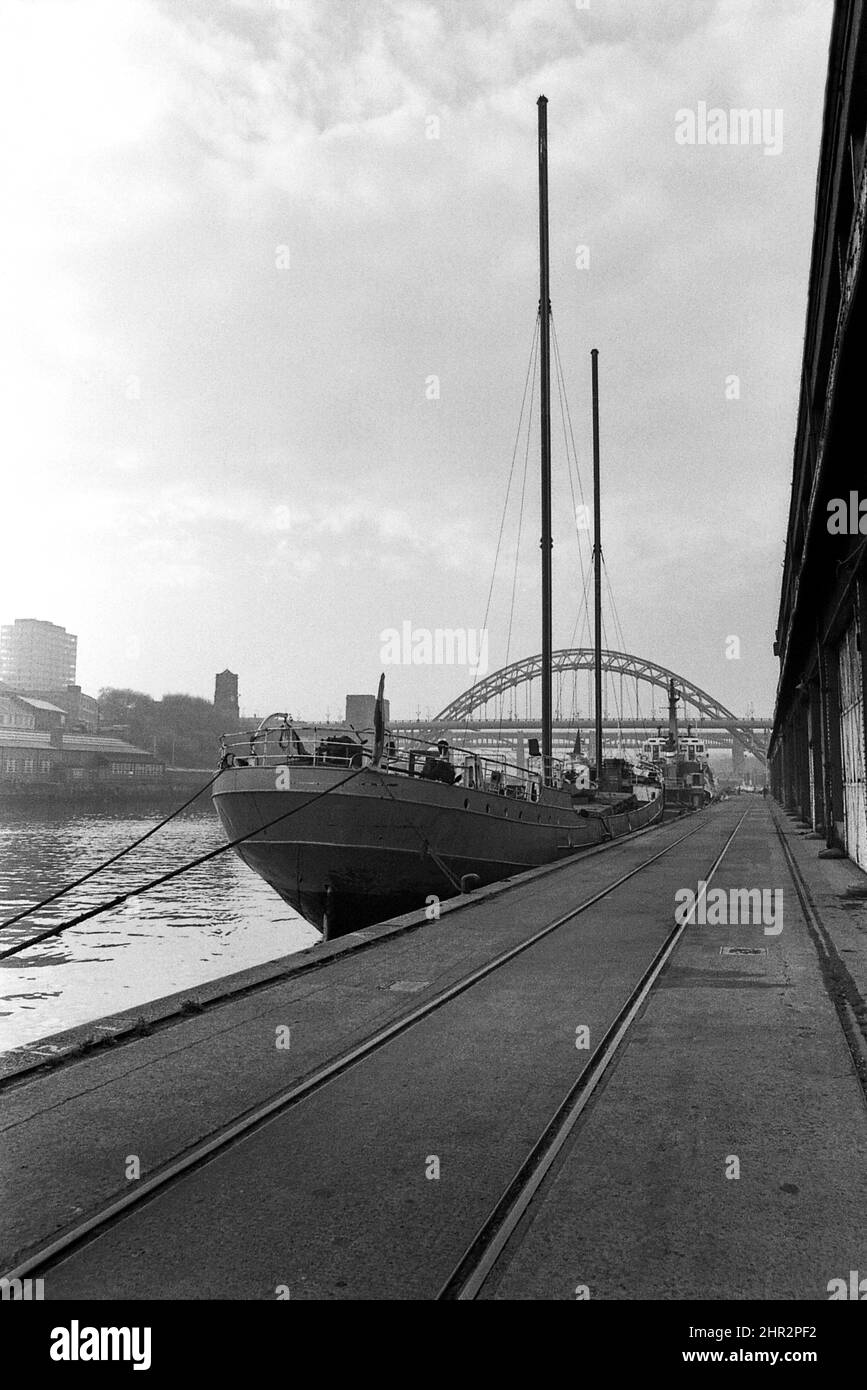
76 883
173 873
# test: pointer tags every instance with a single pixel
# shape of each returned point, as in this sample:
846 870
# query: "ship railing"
278 741
473 771
493 774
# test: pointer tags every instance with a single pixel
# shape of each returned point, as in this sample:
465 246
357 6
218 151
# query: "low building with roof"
19 711
55 760
82 711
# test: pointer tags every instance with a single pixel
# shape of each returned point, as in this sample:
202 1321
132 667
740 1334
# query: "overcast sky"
239 249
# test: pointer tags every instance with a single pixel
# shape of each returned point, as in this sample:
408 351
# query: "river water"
212 921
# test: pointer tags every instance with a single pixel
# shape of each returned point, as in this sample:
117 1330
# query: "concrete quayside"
562 1088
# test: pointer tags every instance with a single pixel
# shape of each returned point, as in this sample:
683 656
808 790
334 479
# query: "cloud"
195 419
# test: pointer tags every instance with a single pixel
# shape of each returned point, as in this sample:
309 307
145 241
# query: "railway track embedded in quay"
323 1180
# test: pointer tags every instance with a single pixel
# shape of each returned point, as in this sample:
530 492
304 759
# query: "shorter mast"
673 697
597 566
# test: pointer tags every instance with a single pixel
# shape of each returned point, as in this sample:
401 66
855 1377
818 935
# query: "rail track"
474 1267
480 1258
359 941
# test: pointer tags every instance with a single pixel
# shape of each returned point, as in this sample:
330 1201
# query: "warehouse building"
816 751
42 756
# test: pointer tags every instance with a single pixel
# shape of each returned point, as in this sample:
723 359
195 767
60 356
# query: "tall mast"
547 541
597 565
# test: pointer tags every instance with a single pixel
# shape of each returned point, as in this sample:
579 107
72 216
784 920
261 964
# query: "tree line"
182 730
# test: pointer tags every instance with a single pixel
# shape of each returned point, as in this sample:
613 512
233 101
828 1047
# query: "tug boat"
352 826
682 762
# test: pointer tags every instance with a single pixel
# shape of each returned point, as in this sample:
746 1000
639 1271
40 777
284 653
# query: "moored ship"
351 827
354 836
682 761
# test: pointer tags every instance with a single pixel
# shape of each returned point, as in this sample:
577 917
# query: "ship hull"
687 798
349 853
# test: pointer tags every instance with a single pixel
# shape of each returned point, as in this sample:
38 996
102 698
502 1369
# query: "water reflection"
216 919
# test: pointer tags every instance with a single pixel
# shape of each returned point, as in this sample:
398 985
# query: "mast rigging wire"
518 541
531 368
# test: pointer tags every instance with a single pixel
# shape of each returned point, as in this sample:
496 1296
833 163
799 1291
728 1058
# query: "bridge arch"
616 663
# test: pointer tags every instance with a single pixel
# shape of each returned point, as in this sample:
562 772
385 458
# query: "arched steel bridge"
617 663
